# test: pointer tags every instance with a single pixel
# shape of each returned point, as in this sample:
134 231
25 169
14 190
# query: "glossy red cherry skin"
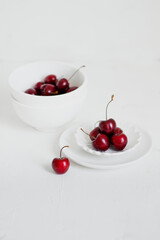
31 91
101 143
119 141
118 130
51 79
71 89
37 86
60 165
63 85
107 126
42 88
48 89
93 134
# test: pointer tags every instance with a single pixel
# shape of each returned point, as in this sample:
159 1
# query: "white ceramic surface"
133 134
29 74
48 118
78 155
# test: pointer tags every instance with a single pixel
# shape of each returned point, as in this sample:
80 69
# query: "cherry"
37 86
119 141
71 89
118 130
108 126
51 79
42 88
63 85
48 90
100 142
31 91
93 134
60 165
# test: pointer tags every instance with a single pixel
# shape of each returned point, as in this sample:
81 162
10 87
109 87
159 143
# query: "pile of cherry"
52 86
107 134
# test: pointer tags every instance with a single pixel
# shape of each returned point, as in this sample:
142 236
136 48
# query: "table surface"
83 204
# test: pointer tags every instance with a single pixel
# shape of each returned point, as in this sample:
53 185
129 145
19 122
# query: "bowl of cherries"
47 95
106 138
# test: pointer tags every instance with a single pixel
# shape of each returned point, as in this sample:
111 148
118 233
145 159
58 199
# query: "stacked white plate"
82 152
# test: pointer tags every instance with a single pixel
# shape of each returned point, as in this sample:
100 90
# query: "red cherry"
31 91
63 85
51 79
108 126
93 134
42 88
101 143
48 90
118 130
71 89
60 165
37 86
119 141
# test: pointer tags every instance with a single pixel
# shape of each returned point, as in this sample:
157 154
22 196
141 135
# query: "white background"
79 30
119 41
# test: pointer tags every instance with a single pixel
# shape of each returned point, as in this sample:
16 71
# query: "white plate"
81 157
83 140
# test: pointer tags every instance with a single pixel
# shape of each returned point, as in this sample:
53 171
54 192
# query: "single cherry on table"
61 165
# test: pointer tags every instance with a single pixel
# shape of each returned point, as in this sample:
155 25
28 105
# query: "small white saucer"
84 141
81 157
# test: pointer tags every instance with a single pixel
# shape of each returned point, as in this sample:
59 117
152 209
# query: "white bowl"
46 112
48 118
27 75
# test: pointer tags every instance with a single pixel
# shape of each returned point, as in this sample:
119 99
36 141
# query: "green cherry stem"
61 151
76 72
108 105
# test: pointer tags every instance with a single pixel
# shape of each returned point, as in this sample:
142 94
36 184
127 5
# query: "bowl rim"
45 97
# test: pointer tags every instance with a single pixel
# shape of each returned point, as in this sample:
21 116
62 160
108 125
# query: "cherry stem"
88 134
75 72
108 104
85 132
61 151
95 125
